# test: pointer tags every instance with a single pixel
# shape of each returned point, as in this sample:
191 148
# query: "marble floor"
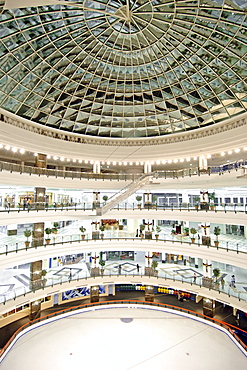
130 337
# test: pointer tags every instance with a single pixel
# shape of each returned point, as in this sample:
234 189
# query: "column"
95 231
147 167
36 275
96 199
206 240
148 263
204 204
147 200
40 198
96 167
34 310
203 164
149 293
207 280
95 264
38 234
41 160
94 293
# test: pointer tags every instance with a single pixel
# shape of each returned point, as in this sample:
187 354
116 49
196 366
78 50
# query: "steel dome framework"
124 68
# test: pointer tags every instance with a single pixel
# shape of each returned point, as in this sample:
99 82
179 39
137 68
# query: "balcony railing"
167 174
82 276
238 247
126 206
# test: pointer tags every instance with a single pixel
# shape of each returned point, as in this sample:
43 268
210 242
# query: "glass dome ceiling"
123 68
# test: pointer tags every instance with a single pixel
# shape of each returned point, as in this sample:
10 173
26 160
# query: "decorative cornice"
82 139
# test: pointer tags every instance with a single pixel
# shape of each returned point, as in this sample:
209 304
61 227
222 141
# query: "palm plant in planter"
43 274
55 227
197 200
102 264
158 230
193 231
211 198
82 230
27 233
154 201
216 233
139 199
102 229
105 198
216 273
48 231
154 266
142 228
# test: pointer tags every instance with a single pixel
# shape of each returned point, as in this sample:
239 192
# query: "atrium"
123 157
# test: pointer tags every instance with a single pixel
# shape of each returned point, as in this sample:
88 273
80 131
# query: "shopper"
233 281
138 268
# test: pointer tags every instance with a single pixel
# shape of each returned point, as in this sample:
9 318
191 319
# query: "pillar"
147 200
207 280
40 197
95 231
36 275
203 163
38 234
34 310
41 160
96 199
149 293
206 240
147 167
95 271
96 167
94 293
208 307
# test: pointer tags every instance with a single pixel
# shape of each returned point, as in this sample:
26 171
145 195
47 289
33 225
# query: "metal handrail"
72 238
82 276
43 206
14 167
229 327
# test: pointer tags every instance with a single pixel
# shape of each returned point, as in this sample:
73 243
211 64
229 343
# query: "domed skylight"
123 68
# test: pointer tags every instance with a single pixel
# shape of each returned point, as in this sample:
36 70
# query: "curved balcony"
226 252
42 289
221 214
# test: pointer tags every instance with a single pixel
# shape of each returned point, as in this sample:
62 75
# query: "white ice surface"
100 340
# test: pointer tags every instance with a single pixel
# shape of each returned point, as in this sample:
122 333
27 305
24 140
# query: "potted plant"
27 233
102 264
216 273
142 228
139 199
186 231
154 266
43 274
102 229
158 230
211 198
197 200
154 201
105 197
82 230
48 231
193 231
55 227
216 233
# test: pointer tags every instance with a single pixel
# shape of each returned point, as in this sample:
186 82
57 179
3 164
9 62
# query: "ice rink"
130 337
